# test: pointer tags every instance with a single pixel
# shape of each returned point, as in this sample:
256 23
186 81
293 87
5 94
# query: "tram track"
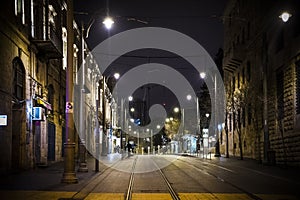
205 171
163 181
171 190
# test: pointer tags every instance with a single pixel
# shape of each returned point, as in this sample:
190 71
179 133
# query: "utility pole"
69 175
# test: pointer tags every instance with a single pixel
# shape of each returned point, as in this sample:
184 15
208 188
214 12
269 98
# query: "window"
75 63
19 9
18 79
51 15
297 87
64 39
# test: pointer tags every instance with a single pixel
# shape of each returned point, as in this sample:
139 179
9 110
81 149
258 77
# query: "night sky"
199 19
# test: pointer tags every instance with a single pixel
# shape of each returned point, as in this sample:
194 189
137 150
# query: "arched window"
18 79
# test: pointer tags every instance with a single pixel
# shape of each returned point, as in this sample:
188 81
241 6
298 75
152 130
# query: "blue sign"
3 120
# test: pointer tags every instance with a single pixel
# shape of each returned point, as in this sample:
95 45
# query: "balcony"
47 32
234 58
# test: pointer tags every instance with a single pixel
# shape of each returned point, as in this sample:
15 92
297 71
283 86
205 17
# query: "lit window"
64 39
52 15
19 9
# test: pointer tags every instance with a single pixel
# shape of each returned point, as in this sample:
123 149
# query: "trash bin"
271 157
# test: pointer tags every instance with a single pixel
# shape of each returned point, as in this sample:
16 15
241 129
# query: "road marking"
55 195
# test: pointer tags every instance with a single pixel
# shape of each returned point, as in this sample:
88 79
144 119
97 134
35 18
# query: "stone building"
33 38
261 75
33 83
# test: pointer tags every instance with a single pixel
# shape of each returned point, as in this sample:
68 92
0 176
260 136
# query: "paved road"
159 177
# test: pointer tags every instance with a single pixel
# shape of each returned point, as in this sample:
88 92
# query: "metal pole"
82 149
198 127
104 150
97 136
217 152
69 175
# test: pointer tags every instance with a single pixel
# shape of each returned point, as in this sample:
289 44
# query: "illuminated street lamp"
108 22
202 75
116 75
214 79
285 16
176 109
130 98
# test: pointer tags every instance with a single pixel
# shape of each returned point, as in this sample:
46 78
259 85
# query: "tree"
236 105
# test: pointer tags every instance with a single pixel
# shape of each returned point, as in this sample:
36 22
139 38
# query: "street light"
285 16
214 79
176 109
104 82
116 75
130 98
108 22
69 175
189 97
202 75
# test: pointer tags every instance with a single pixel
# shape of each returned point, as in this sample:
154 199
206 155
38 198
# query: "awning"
44 103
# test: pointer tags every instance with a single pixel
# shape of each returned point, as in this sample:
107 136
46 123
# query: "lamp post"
82 149
263 33
124 122
214 79
69 175
189 98
104 130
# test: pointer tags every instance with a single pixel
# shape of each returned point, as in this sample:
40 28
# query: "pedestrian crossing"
63 195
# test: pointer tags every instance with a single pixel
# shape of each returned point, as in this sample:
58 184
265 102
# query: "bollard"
148 150
142 150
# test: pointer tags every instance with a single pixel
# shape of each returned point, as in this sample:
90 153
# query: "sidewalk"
49 178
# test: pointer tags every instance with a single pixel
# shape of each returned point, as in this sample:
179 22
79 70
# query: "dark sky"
199 19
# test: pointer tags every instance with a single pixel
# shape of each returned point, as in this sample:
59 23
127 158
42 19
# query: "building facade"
33 38
261 77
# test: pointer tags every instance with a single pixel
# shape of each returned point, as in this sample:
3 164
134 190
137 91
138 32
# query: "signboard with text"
3 120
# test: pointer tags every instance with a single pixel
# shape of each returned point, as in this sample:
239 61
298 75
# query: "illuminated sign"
37 113
69 107
3 120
